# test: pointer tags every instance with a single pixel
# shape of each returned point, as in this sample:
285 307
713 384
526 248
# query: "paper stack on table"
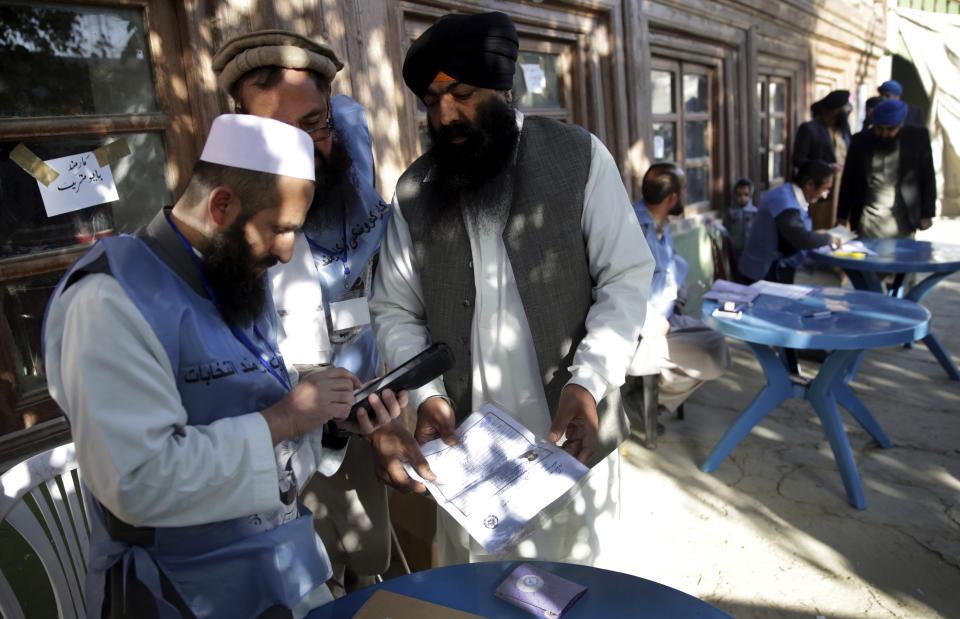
724 291
498 477
774 289
843 233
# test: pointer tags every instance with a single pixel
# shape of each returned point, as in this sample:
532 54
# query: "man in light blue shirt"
684 351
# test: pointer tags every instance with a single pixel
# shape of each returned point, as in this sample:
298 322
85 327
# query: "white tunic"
505 368
108 370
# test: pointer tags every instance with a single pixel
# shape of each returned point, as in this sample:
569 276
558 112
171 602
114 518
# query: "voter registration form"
498 477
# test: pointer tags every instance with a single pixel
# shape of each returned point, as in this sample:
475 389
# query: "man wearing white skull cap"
192 433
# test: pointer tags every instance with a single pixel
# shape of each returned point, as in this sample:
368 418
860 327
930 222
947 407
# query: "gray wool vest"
544 240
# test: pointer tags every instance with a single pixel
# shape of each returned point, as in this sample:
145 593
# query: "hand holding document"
498 477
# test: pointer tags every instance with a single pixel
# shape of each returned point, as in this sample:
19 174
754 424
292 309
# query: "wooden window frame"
173 120
766 115
679 117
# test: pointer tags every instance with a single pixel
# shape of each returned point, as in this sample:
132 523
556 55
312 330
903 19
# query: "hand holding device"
416 372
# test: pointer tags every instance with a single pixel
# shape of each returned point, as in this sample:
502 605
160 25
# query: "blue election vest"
762 248
671 269
354 244
233 568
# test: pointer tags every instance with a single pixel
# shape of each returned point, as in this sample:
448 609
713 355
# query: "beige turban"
272 48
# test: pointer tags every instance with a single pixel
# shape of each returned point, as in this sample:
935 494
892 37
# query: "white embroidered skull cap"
261 144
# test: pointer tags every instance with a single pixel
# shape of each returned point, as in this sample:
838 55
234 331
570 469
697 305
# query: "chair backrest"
43 502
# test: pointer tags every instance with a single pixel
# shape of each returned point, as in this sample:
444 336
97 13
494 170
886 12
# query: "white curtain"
933 41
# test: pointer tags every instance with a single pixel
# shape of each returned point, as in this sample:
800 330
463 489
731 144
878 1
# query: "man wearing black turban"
825 138
513 241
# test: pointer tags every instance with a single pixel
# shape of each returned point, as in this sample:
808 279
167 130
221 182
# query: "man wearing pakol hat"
889 187
192 433
513 241
891 89
321 294
825 138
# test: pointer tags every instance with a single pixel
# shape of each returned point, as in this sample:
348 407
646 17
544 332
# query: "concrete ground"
770 533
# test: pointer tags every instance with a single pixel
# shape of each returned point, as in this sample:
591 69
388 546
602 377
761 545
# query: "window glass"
23 303
778 96
72 60
661 93
776 164
695 93
777 127
696 139
697 181
141 185
663 141
536 83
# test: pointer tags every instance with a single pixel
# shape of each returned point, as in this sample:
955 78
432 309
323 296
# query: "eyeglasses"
319 133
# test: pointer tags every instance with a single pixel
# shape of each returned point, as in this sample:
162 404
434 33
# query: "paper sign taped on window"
658 147
82 182
534 78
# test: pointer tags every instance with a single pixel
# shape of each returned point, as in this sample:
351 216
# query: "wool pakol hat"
480 50
272 48
260 144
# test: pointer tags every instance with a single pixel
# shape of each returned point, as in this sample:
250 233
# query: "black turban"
480 50
836 99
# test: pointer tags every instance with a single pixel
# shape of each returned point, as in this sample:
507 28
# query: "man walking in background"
889 187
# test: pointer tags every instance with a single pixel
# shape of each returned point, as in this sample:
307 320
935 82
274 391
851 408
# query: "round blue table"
844 321
470 588
902 256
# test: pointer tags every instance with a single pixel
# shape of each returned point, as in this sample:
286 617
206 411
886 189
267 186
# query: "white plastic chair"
44 491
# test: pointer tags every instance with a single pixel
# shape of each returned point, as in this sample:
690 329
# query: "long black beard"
335 168
488 150
229 267
334 188
886 145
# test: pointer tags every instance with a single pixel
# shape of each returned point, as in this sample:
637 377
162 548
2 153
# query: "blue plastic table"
470 588
902 256
856 320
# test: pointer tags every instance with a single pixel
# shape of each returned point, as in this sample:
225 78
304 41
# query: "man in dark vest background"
513 241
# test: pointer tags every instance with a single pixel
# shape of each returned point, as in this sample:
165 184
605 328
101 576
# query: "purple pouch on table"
539 592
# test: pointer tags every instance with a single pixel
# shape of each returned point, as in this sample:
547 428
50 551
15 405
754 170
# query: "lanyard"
237 333
343 256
